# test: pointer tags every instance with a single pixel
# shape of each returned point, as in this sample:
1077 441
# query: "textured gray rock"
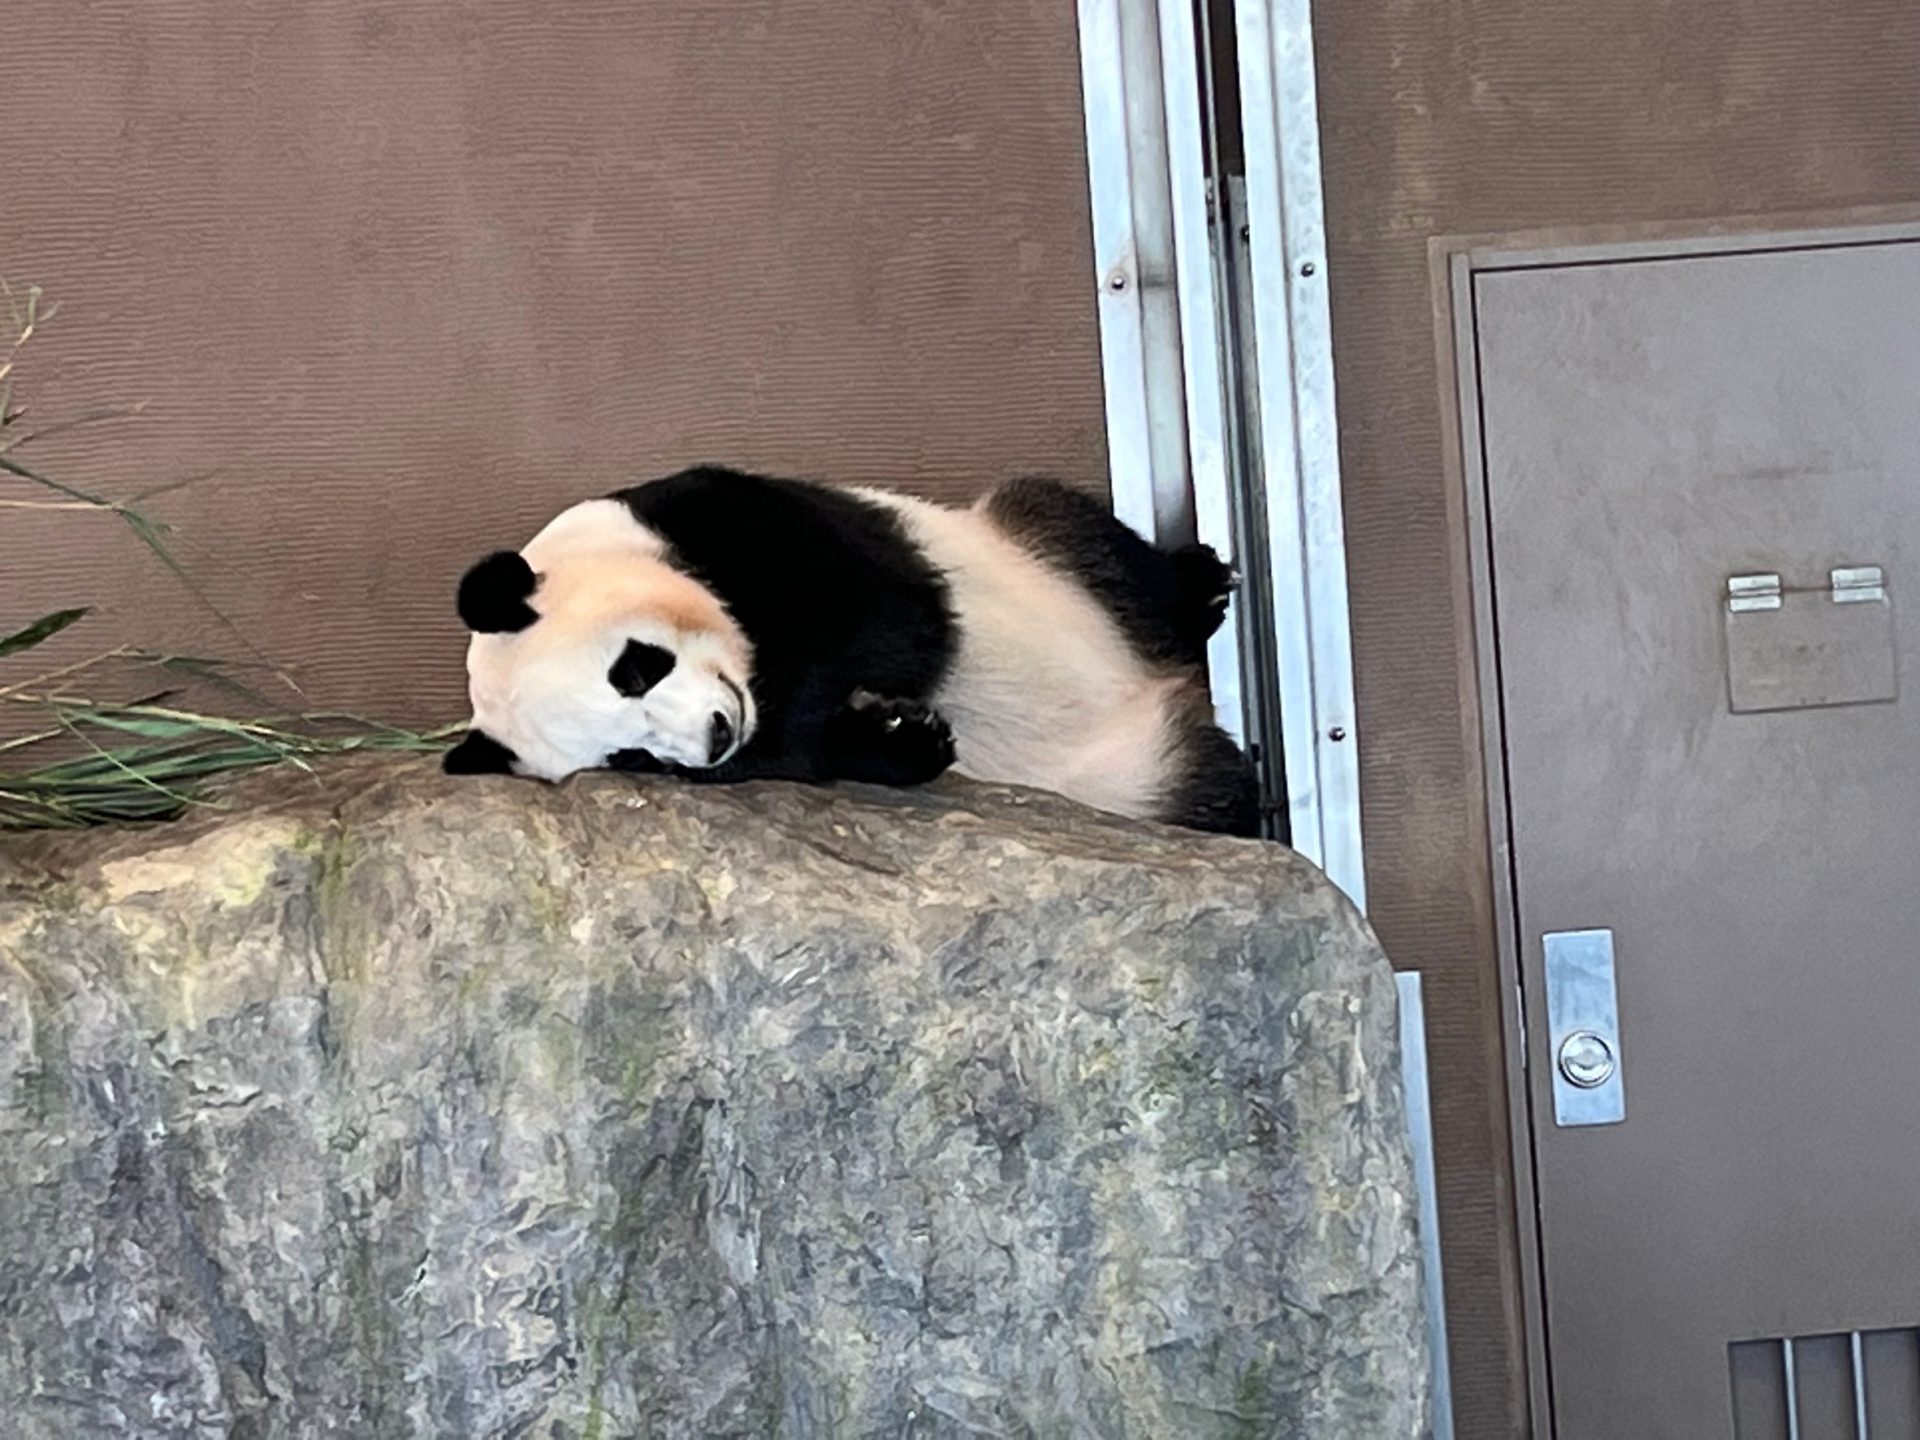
392 1106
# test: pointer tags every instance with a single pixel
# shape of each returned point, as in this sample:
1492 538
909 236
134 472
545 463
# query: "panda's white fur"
1098 730
1027 640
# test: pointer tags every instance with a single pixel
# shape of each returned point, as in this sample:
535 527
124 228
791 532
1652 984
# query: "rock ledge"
393 1106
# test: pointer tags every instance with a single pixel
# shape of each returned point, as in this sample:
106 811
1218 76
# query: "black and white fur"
728 626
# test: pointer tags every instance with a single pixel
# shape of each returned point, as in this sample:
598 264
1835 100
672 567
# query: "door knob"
1586 1060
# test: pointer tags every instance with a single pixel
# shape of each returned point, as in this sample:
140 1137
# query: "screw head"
1117 280
1307 269
1337 734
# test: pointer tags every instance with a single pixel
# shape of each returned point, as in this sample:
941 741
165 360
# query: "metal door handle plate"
1583 1028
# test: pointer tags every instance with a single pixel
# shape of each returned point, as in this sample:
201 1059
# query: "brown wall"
411 275
1494 116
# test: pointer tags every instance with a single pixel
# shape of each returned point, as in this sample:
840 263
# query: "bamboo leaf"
96 762
213 673
150 534
140 725
172 758
134 776
76 422
15 468
45 628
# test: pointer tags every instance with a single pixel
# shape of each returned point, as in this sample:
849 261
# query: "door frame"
1455 261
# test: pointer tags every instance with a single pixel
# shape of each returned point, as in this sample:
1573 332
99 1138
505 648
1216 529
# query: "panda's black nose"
721 739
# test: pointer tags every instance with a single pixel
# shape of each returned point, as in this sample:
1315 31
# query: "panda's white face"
563 700
590 650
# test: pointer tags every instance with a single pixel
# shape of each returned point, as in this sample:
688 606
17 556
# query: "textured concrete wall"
410 275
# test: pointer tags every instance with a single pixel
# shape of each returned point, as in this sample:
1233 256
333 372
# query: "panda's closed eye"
640 667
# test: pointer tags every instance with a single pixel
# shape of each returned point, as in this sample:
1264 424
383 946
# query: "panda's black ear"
640 668
478 754
494 594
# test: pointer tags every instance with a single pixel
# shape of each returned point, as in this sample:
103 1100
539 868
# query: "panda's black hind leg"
1218 789
1168 603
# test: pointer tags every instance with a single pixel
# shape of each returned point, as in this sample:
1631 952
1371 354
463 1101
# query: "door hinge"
1746 593
1855 584
1846 585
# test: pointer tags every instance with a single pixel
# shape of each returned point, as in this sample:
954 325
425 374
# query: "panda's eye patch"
640 668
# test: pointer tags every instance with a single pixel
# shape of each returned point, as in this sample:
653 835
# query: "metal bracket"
1857 583
1753 592
1809 647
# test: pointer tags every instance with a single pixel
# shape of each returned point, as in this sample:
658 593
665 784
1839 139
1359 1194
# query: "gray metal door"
1718 790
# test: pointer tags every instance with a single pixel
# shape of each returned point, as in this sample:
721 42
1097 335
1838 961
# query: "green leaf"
45 628
144 761
14 467
215 674
142 726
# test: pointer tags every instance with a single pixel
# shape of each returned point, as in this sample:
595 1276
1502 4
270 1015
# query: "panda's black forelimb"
869 739
883 741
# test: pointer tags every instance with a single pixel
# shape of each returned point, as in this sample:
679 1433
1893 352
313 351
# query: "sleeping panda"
723 626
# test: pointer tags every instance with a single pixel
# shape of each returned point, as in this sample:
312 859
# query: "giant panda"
726 626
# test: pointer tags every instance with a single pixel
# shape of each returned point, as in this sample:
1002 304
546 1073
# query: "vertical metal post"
1203 323
1245 514
1298 442
1413 1073
1792 1390
1161 341
1132 205
1857 1349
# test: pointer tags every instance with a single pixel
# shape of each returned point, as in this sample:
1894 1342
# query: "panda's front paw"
884 741
638 762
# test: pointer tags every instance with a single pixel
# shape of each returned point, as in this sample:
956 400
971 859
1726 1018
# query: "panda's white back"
1044 690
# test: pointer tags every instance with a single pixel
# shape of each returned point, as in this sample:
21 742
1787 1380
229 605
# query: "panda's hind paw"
1206 585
